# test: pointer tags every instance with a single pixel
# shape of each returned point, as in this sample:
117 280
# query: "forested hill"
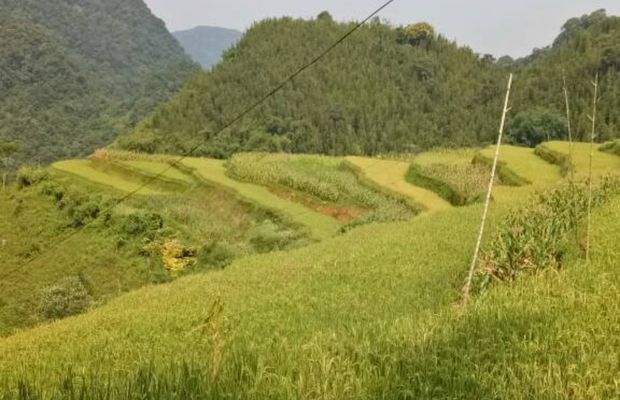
206 44
76 73
586 46
385 89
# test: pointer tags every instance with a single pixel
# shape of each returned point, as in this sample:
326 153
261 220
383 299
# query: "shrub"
84 212
147 224
531 128
217 254
66 298
270 237
53 189
176 256
28 176
612 147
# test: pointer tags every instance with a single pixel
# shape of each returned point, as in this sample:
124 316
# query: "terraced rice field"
85 169
391 174
214 172
602 163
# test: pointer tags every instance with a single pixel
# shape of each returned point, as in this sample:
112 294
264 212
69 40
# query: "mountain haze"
206 44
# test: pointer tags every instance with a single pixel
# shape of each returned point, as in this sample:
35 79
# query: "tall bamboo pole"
570 131
592 137
474 261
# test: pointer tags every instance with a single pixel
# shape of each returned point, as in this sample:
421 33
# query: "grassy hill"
367 314
76 74
207 44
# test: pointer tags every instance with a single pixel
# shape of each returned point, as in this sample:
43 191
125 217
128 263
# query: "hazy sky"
498 27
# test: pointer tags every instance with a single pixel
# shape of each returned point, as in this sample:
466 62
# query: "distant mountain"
74 74
206 44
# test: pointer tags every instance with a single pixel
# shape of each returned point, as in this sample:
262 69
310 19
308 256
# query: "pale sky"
497 27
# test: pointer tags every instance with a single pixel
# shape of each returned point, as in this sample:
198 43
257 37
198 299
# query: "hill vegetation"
380 91
206 44
586 46
168 230
75 74
386 89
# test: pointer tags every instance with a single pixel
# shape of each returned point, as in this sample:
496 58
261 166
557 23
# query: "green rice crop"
460 184
324 178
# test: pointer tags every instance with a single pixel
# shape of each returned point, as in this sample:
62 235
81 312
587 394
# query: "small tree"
6 161
325 16
531 128
420 33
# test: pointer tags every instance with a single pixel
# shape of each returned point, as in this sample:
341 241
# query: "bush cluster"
67 297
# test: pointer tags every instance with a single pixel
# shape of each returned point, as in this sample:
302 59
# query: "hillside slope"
586 46
321 323
206 44
379 91
74 75
383 90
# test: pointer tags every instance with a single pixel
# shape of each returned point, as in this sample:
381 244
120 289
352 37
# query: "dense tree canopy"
531 128
385 89
73 74
374 93
587 45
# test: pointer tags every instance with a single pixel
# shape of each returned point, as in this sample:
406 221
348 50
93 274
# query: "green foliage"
537 237
400 99
531 128
587 45
217 255
431 94
268 236
28 176
75 75
612 147
147 224
66 298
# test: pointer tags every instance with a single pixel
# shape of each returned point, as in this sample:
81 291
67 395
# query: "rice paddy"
366 314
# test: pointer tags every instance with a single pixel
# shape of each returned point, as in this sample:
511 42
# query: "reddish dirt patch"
344 215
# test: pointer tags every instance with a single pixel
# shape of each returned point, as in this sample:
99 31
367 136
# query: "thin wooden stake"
592 137
570 131
472 268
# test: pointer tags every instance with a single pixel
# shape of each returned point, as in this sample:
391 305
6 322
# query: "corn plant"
538 236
